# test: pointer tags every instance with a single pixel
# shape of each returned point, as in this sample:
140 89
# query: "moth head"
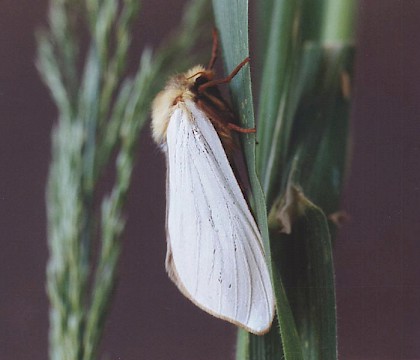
179 88
197 76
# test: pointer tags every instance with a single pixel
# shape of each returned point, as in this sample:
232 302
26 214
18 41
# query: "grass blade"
305 260
273 124
320 130
232 22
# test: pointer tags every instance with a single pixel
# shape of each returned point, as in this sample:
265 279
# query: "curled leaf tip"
287 209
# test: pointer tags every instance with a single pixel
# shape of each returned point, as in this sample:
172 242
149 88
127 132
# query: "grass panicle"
101 111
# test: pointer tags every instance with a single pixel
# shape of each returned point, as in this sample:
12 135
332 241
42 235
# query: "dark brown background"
376 256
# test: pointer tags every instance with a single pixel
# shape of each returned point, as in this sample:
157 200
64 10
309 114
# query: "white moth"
215 254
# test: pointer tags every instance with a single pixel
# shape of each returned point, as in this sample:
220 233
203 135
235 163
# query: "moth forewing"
215 254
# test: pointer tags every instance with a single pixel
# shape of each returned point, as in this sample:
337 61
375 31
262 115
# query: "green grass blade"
242 345
280 55
316 162
338 21
232 23
305 262
303 137
321 125
264 13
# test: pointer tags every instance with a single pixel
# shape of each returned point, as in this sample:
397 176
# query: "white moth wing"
215 254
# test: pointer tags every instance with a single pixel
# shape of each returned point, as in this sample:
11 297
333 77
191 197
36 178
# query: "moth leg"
218 103
222 107
214 49
241 129
226 80
216 117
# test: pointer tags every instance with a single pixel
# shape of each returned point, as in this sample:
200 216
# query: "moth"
214 254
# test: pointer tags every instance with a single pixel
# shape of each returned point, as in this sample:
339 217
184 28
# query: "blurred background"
376 254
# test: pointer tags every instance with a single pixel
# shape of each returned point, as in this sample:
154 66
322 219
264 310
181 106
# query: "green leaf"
232 22
264 13
242 345
316 161
273 120
303 137
320 129
338 21
305 261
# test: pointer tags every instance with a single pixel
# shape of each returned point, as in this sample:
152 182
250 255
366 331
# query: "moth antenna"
197 73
